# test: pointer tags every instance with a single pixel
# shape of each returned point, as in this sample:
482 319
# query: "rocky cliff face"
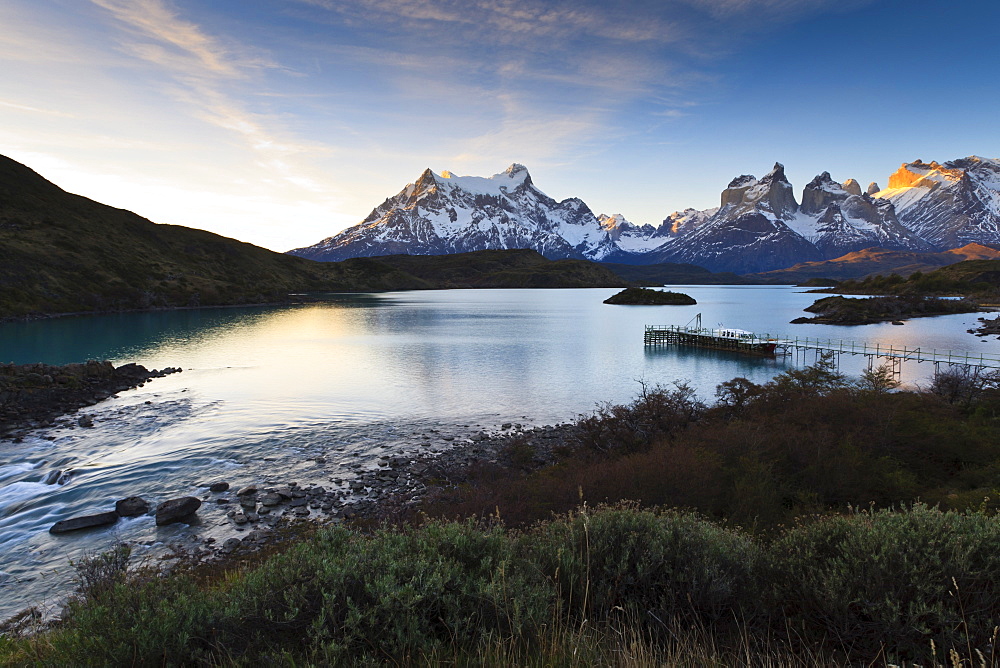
950 204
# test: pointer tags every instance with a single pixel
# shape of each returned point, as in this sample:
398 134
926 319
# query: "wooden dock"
734 340
742 341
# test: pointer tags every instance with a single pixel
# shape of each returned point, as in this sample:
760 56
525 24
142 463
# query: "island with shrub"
840 310
647 297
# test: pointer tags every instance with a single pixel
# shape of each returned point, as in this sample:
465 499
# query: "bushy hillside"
63 253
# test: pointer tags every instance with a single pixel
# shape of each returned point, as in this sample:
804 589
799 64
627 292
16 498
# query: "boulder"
218 487
230 544
176 510
133 506
272 499
84 522
249 489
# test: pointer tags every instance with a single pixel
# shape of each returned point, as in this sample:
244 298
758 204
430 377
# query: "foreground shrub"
868 588
96 575
892 580
654 567
337 597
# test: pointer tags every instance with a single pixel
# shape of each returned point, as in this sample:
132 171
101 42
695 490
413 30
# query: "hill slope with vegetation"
976 279
874 261
63 253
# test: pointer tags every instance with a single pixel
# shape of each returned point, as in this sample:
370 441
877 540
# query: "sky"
282 122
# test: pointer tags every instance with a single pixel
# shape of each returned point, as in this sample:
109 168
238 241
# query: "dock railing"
671 335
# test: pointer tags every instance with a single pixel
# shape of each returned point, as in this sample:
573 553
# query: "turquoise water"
265 391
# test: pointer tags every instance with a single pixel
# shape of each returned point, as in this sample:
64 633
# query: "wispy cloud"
34 110
208 72
753 12
174 42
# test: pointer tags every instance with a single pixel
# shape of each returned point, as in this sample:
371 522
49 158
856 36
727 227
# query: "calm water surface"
267 390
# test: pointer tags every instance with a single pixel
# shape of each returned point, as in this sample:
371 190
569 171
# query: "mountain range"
759 226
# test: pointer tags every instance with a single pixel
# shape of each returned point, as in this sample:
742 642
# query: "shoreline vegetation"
838 310
648 297
975 283
193 286
662 531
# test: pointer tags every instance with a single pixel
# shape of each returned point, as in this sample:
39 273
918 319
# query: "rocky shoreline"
988 328
258 514
232 519
34 396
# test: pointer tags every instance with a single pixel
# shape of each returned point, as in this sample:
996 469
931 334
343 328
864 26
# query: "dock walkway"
745 342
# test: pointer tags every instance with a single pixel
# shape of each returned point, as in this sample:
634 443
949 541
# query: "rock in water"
176 510
84 522
133 506
218 487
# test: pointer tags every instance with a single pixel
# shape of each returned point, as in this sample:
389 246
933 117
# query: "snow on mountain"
632 238
838 219
759 226
441 214
948 205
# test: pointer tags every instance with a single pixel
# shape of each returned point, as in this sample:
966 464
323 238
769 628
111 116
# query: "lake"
266 391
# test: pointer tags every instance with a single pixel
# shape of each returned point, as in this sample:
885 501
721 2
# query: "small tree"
819 378
964 385
736 394
878 380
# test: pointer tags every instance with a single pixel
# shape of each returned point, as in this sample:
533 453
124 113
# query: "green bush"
892 581
653 566
336 597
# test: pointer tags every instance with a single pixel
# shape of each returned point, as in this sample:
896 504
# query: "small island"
647 297
850 311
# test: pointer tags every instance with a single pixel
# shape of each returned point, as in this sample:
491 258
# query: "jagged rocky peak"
771 194
872 188
690 218
737 188
776 175
744 181
631 237
852 186
920 174
425 184
518 172
949 204
613 222
820 193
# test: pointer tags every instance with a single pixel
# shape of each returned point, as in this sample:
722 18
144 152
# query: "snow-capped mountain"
441 214
948 205
630 238
759 226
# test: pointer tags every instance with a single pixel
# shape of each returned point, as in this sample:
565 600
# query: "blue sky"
281 122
